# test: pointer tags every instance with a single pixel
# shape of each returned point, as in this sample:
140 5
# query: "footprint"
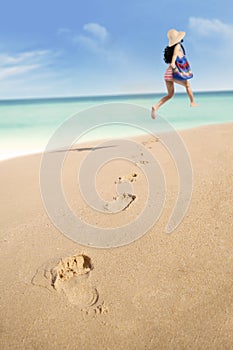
143 162
125 197
70 267
101 309
71 276
130 178
151 140
120 203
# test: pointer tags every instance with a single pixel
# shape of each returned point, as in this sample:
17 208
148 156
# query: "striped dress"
168 74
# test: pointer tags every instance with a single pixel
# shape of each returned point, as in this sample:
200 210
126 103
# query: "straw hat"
174 37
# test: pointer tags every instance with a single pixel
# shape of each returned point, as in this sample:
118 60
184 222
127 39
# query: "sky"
98 47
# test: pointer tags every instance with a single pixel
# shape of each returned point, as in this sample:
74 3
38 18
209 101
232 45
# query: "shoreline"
18 154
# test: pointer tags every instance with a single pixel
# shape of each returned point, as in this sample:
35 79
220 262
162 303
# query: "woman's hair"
168 52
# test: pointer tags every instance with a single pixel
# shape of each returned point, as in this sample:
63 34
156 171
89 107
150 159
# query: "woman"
178 70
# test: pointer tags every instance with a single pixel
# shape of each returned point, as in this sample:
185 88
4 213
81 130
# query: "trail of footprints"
125 198
70 275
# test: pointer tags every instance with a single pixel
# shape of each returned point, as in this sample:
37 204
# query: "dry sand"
159 292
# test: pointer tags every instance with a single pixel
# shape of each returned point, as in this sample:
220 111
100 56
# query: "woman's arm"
175 54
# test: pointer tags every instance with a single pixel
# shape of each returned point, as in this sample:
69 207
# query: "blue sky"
94 47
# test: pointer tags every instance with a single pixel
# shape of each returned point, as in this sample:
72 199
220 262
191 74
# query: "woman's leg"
170 94
187 86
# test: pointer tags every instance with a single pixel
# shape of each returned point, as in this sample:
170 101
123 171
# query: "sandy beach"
163 291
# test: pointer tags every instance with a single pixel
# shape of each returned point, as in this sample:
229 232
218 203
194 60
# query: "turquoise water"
27 125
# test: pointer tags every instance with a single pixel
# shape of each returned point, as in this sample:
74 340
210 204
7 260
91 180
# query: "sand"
163 291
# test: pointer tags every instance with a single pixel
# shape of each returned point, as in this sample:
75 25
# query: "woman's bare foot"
193 104
154 112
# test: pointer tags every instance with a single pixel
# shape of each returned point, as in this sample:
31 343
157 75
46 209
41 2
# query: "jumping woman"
178 70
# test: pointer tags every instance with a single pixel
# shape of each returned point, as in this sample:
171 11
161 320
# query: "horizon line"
103 95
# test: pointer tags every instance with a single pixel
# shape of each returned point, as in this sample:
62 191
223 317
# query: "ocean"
27 125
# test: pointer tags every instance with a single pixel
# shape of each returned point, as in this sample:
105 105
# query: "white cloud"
95 40
212 36
87 42
23 62
16 70
6 59
207 27
100 32
104 50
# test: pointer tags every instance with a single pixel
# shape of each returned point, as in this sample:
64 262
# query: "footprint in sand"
150 141
70 276
130 178
125 197
120 203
